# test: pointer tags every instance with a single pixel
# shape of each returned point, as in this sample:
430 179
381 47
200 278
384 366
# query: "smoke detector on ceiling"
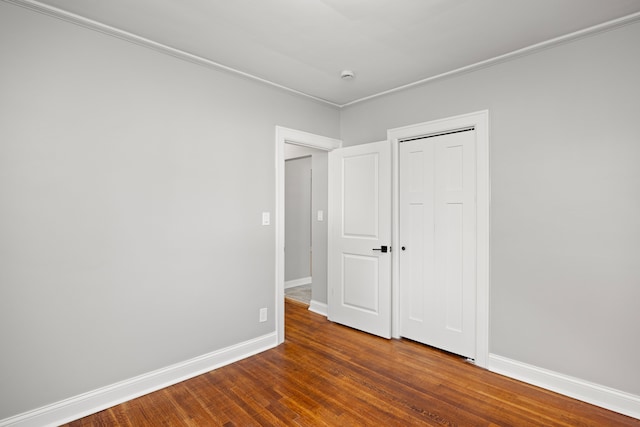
347 75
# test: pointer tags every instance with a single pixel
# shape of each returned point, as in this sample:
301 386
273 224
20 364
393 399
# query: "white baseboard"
318 307
97 400
297 282
615 400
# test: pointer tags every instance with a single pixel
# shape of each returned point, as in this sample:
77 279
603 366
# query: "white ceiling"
303 45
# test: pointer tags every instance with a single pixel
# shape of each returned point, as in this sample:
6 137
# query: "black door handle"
384 249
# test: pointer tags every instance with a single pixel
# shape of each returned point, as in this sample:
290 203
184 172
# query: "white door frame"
289 136
480 121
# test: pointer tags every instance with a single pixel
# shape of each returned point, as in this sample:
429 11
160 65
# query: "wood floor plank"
330 375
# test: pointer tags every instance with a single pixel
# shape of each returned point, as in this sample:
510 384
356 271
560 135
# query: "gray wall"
132 186
297 214
565 198
319 229
131 190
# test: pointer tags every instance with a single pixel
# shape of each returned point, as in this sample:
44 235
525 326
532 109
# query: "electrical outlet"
263 314
266 218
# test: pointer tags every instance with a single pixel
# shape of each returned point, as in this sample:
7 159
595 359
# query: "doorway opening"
291 140
303 236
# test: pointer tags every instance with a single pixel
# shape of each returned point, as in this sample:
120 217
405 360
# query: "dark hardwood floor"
329 375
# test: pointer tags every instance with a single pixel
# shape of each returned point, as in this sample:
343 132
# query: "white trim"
91 402
480 121
297 282
73 18
529 50
177 53
595 394
318 307
395 236
306 139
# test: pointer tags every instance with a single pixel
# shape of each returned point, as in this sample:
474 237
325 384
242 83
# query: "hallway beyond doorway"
299 293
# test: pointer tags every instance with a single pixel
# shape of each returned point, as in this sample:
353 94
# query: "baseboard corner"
298 282
318 308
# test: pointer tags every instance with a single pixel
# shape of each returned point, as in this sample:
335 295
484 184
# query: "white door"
438 242
359 273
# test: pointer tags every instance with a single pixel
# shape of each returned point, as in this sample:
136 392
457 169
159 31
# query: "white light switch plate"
266 218
320 216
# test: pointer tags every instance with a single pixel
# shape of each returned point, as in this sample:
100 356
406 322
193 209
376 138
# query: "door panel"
360 201
360 282
438 229
359 222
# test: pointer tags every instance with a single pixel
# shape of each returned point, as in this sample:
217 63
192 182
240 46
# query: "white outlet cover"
266 218
320 215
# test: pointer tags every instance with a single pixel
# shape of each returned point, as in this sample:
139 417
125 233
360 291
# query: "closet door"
438 242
